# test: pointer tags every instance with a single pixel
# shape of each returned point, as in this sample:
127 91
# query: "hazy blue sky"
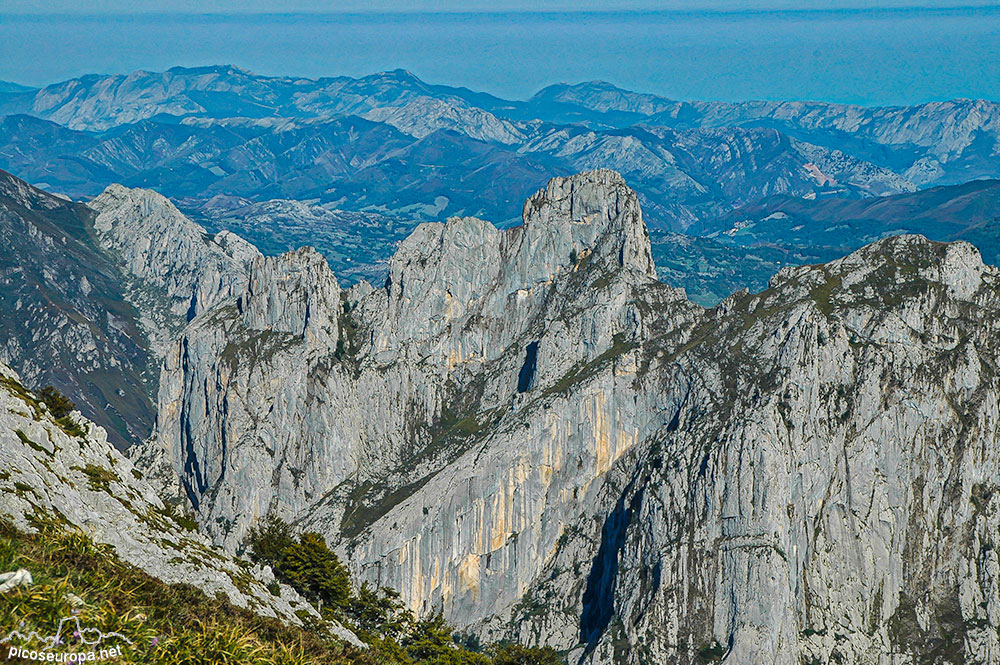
898 56
227 6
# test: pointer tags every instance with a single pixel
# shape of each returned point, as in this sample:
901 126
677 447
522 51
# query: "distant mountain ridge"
970 212
334 158
9 87
225 130
930 141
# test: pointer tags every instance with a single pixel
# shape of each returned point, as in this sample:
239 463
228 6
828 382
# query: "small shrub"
70 427
186 522
306 564
59 405
98 477
516 654
431 641
711 653
268 541
374 613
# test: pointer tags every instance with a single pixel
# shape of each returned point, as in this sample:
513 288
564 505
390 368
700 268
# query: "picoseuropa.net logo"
72 643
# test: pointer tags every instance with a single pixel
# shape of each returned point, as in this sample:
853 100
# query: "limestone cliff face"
524 429
824 493
237 392
176 270
66 471
295 294
257 415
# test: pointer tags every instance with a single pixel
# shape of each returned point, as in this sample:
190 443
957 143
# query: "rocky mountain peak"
177 269
589 213
294 293
467 275
887 272
117 200
957 266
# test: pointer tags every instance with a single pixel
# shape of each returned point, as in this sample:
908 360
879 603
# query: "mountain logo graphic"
69 629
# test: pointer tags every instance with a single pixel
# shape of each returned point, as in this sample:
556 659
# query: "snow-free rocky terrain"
352 165
63 470
525 429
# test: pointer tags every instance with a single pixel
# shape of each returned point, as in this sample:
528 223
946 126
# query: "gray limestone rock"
53 471
177 270
524 429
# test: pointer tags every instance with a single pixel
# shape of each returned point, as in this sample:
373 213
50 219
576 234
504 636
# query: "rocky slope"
174 269
524 429
823 492
95 293
64 319
65 471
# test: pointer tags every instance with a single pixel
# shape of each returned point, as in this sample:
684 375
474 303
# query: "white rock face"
279 297
178 270
824 490
425 115
524 429
85 483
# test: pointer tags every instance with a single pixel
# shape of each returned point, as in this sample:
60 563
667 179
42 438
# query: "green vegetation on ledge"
166 623
170 624
392 632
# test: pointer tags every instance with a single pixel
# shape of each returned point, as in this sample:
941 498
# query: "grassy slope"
165 623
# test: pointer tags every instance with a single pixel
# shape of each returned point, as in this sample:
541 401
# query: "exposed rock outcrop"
524 429
824 491
66 471
176 270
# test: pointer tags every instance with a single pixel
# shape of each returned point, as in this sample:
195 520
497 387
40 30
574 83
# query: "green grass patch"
166 623
17 390
184 521
26 440
98 477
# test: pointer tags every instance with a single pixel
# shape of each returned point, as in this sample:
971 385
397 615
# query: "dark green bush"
378 617
306 564
267 542
431 641
311 567
379 613
59 405
515 654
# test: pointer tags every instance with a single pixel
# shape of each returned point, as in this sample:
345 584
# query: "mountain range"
632 379
388 151
525 430
223 129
